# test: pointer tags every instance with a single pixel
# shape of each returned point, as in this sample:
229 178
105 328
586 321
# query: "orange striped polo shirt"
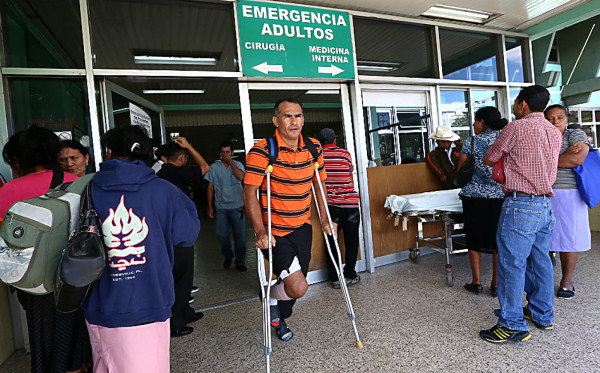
291 180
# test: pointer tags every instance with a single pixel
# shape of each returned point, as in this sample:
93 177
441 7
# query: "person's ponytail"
128 142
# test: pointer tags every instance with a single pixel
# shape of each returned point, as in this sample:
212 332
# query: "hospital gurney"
428 207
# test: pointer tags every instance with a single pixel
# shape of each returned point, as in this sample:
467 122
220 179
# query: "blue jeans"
229 220
524 240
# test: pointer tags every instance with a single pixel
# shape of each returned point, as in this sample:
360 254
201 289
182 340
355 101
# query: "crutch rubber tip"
269 169
358 344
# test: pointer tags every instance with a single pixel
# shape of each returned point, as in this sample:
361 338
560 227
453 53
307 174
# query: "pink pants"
143 348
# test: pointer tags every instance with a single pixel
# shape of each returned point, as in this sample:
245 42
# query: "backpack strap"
272 150
312 148
58 176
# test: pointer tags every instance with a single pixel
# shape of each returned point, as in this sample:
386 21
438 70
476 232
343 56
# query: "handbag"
498 172
465 173
83 259
588 178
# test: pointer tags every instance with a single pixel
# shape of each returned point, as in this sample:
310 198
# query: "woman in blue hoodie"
143 217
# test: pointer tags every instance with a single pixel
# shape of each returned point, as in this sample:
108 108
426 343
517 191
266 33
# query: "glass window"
163 34
513 93
402 143
455 112
393 49
41 33
597 116
514 59
468 55
586 116
57 104
574 116
482 98
591 131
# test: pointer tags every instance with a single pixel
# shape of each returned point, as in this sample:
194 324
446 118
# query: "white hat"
444 133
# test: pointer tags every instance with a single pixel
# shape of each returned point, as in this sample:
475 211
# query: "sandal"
565 293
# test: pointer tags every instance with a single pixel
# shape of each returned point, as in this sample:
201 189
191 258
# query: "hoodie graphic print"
124 233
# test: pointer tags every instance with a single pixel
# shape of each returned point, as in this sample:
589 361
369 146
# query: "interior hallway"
409 321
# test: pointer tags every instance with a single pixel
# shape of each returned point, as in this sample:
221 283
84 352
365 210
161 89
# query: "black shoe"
501 334
527 315
227 263
474 288
197 316
194 290
283 332
181 332
241 268
191 300
565 293
494 291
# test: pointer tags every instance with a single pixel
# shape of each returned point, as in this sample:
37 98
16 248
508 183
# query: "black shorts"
298 243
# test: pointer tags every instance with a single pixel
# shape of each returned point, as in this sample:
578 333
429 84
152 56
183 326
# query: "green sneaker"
527 315
501 334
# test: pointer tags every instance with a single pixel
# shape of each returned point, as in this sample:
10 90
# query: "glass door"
122 107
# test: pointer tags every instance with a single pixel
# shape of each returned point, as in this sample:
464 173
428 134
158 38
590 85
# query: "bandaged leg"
278 290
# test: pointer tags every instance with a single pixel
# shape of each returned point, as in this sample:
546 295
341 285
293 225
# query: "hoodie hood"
119 175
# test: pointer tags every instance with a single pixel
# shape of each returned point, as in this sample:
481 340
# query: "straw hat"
444 133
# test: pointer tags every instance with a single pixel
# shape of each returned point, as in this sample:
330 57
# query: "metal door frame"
107 88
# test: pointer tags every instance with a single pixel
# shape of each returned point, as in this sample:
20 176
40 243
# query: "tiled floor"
409 320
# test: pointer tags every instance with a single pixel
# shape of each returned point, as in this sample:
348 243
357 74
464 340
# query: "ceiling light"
323 92
173 60
458 14
172 91
379 66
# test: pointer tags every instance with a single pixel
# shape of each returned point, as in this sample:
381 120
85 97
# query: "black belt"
522 194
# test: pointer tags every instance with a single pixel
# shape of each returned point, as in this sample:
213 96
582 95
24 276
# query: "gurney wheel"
450 278
413 256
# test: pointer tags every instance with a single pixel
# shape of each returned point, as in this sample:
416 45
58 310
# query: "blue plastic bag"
588 178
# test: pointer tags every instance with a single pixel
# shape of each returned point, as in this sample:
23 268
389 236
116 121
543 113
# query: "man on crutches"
292 158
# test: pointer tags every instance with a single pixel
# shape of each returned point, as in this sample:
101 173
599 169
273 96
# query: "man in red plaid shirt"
530 146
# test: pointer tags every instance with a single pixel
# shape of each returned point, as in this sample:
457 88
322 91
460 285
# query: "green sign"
278 40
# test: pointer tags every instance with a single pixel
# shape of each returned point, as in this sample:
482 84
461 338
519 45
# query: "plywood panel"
319 250
402 179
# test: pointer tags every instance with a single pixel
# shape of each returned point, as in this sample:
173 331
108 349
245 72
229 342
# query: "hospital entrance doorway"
324 106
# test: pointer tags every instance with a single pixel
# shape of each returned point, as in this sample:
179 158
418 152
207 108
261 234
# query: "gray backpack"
35 232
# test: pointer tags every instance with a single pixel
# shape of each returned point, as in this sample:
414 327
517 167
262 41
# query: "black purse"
464 175
83 259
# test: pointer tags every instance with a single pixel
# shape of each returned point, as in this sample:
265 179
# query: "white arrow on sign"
333 70
265 68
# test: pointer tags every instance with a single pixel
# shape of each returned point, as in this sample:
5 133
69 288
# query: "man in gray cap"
342 201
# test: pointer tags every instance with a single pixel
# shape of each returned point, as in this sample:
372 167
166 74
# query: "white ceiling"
516 15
